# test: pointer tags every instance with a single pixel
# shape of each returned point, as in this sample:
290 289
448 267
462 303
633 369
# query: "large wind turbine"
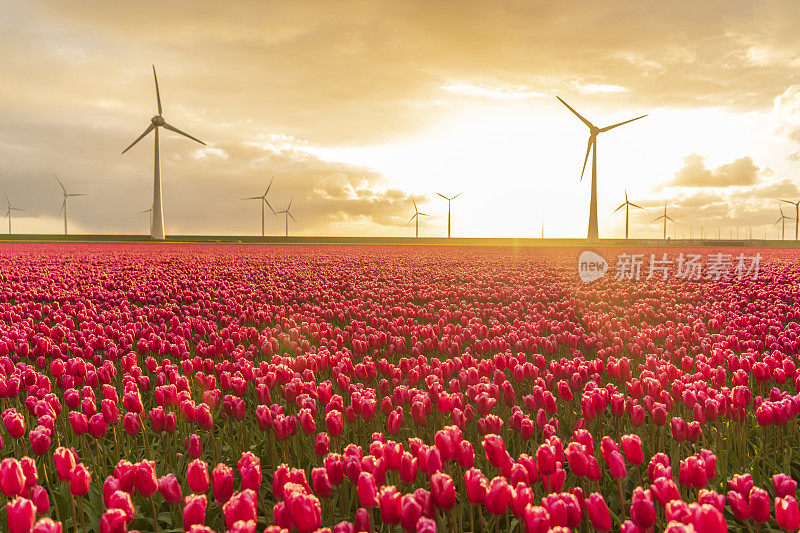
264 200
665 217
796 214
627 206
64 203
157 230
287 214
417 214
594 131
151 217
448 209
782 221
8 212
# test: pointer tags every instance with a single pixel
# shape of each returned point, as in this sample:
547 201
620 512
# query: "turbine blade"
415 205
620 124
150 128
290 203
788 202
61 184
634 205
145 211
588 124
657 218
290 216
77 194
62 206
456 196
443 196
620 207
425 214
252 198
672 219
270 185
270 207
176 130
158 95
586 159
412 218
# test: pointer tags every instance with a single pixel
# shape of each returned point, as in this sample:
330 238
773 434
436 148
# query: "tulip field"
210 388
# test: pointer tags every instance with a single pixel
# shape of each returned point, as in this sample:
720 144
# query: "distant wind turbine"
796 214
594 131
781 220
64 203
157 229
416 216
665 218
150 217
264 200
8 212
287 214
448 209
627 206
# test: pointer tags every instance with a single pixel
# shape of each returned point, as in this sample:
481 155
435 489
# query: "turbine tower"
627 206
417 214
264 200
782 221
157 230
8 212
796 214
665 218
448 209
594 131
151 217
287 214
64 203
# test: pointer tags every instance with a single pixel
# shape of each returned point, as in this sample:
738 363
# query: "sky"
357 107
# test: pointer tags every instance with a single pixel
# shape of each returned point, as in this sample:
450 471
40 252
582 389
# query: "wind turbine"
64 203
151 217
287 214
417 214
8 212
665 218
157 229
264 200
796 214
448 209
594 131
782 221
627 206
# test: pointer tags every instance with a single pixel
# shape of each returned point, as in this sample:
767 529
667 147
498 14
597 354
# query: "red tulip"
241 506
598 511
194 510
12 477
80 480
113 521
222 480
21 514
145 479
367 490
632 446
65 463
786 513
47 525
170 489
250 471
709 519
322 444
443 491
322 483
122 500
784 485
390 501
643 512
537 519
498 496
40 499
197 476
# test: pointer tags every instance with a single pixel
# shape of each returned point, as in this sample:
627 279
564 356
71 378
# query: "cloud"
495 93
694 173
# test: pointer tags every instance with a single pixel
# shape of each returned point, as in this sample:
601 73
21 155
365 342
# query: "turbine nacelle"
158 120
